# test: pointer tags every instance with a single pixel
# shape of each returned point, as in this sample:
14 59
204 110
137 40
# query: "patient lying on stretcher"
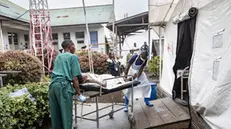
98 79
90 78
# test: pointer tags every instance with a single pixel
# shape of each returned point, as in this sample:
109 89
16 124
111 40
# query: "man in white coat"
135 68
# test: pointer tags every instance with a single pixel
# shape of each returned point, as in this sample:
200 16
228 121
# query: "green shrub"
20 112
30 67
99 62
154 66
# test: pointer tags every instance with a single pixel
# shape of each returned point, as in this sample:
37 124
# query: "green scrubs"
61 91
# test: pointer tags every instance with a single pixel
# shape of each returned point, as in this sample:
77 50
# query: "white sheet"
112 83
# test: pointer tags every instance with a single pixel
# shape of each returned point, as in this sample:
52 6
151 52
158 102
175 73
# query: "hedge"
99 62
20 112
30 66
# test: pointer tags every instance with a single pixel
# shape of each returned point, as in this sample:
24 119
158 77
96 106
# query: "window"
55 40
79 37
66 36
10 37
80 41
13 38
26 38
94 39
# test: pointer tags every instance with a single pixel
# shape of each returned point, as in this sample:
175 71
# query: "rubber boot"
146 100
126 101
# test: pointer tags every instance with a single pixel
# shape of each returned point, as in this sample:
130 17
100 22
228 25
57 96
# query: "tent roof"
131 24
160 11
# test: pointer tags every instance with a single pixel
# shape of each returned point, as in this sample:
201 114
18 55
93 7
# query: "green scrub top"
66 65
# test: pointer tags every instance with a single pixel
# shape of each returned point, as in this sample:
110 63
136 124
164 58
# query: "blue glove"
81 98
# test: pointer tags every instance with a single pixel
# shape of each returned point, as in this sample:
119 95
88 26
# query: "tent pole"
149 35
160 53
149 42
88 40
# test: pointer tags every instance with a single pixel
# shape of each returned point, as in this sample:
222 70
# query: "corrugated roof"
73 16
63 16
11 10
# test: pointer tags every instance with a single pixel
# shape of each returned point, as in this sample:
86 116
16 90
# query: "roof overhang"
4 18
80 25
130 24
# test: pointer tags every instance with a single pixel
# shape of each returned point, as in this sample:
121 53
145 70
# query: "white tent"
139 39
210 72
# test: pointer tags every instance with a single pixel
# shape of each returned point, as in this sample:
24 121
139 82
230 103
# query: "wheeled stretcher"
98 91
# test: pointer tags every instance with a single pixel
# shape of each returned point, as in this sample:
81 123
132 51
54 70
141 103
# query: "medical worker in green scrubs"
66 71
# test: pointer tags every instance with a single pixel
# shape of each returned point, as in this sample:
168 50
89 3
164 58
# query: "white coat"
143 90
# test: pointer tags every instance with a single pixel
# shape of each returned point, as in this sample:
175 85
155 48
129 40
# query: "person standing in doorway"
112 65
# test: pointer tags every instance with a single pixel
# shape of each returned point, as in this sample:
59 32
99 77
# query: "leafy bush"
154 66
20 112
99 62
30 67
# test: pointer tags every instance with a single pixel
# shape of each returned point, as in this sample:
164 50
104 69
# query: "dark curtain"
185 39
154 49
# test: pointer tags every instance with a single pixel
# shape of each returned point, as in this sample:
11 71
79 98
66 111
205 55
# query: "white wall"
60 31
72 30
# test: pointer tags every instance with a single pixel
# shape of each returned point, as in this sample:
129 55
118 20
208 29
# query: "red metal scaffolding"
41 41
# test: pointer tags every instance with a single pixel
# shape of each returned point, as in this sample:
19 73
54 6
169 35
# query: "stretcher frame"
131 117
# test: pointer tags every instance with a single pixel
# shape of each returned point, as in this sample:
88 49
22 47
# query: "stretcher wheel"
111 114
131 118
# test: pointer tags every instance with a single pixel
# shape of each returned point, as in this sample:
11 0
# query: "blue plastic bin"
153 91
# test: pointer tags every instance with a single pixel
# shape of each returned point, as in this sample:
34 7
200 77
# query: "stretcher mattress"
95 87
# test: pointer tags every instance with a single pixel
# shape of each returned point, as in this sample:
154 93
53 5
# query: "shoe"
146 100
82 98
125 108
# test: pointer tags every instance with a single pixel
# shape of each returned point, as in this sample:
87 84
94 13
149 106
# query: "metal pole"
81 111
113 25
88 40
160 53
97 112
116 40
149 43
120 42
76 114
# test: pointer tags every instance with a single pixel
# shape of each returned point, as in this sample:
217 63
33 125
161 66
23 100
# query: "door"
94 39
13 41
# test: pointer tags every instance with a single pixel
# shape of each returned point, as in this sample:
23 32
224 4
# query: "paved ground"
120 120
